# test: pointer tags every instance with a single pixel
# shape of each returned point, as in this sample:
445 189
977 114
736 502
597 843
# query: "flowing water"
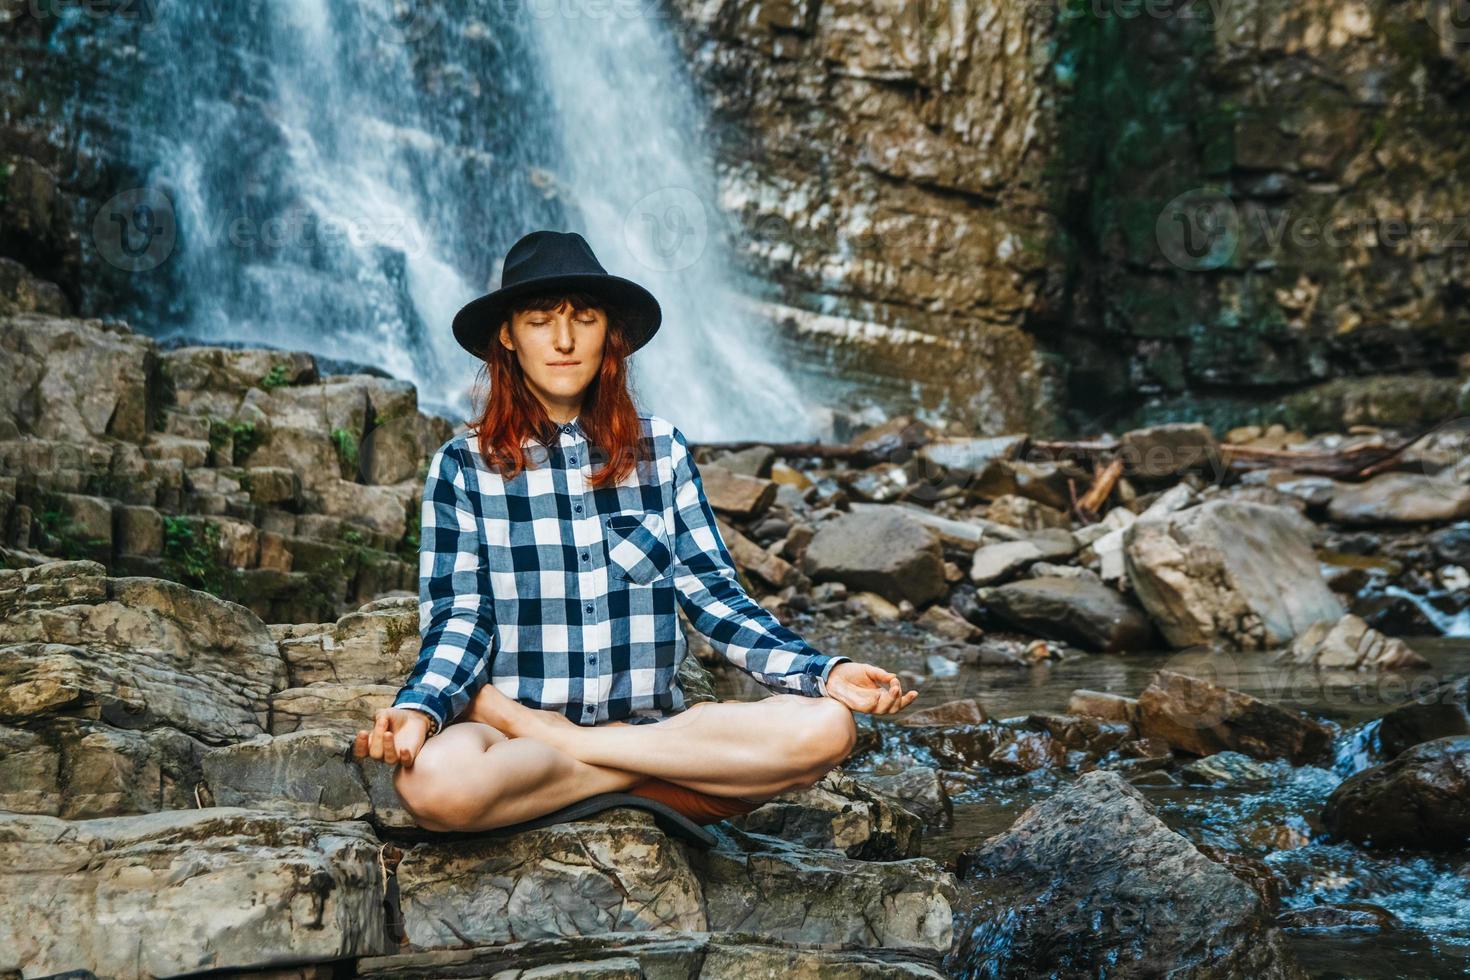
342 175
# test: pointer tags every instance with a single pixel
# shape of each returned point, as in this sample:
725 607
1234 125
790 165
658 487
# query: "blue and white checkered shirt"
563 595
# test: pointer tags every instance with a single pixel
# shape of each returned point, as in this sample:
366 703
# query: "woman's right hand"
397 736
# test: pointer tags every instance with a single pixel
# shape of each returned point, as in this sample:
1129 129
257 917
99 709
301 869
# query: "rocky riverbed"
1203 711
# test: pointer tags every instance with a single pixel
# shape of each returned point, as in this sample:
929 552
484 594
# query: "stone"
615 871
964 711
1202 718
1228 572
1161 451
1076 611
377 644
1400 498
1044 482
1101 704
1090 881
799 894
139 531
755 461
183 891
919 788
1025 513
839 812
945 622
1227 769
750 557
1351 644
734 493
1437 713
340 708
1420 799
881 551
996 562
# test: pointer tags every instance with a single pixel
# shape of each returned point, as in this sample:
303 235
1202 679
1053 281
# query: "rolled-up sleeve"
456 610
742 630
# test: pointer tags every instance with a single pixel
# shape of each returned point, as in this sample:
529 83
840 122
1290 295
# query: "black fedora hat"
548 261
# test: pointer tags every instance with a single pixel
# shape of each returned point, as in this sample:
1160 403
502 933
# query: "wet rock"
1201 718
1437 713
181 891
1101 704
735 493
1452 544
882 551
1358 916
1076 611
1043 482
919 788
1421 799
948 624
1228 572
995 562
1400 498
1091 736
964 711
1090 881
1351 644
796 894
667 953
1226 769
840 812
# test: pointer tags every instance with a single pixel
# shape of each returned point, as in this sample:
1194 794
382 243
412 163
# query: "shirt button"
589 608
592 659
571 459
584 556
577 508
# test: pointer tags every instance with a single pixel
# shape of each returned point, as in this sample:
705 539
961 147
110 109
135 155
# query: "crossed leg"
476 775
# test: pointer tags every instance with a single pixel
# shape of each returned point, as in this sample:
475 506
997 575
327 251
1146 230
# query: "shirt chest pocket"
637 550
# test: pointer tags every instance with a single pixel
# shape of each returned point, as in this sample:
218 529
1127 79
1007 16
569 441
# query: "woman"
549 581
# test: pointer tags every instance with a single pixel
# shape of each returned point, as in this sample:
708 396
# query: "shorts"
702 808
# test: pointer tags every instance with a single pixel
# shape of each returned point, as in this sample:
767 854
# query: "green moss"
275 378
191 554
63 539
241 436
346 442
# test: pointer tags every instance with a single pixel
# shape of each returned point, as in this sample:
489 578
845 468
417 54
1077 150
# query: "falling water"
344 174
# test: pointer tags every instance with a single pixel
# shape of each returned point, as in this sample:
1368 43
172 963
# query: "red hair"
512 414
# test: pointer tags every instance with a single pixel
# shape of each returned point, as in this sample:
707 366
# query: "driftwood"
1353 463
1103 481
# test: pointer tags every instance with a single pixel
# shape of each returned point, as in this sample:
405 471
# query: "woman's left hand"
868 688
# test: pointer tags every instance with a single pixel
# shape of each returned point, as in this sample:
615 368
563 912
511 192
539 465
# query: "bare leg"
472 777
728 748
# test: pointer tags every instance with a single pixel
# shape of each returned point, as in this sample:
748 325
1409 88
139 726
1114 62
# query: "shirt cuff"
415 701
822 677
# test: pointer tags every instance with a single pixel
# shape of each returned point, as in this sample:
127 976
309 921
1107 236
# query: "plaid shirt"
563 595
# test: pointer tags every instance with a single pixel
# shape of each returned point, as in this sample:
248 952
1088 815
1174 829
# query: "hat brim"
477 322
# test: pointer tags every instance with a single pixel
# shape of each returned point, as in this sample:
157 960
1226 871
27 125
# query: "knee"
429 793
829 734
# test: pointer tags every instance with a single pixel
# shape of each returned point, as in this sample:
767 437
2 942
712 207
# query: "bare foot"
493 707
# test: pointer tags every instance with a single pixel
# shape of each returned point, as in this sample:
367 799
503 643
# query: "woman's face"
559 350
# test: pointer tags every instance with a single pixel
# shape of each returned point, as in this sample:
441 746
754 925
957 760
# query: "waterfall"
344 174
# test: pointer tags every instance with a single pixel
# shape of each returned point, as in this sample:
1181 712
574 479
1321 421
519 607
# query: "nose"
564 338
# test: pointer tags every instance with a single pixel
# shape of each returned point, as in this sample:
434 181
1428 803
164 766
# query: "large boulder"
1421 799
1001 560
843 813
75 380
1351 644
1202 718
1090 882
185 891
1085 613
883 551
1228 572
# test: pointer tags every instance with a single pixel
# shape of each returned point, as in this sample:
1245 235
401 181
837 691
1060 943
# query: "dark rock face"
1090 882
1196 716
1074 610
1420 800
1440 713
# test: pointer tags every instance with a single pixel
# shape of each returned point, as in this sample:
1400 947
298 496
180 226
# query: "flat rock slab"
187 890
615 872
1074 610
1090 882
798 894
667 955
